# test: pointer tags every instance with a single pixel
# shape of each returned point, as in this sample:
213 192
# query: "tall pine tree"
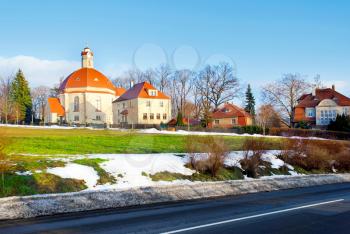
249 101
20 95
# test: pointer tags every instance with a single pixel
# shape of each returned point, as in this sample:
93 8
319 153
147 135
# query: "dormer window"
152 92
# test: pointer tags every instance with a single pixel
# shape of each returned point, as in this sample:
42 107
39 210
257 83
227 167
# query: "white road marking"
252 216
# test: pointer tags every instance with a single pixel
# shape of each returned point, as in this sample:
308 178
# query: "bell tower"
87 58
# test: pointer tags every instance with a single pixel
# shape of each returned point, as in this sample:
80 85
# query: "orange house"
230 116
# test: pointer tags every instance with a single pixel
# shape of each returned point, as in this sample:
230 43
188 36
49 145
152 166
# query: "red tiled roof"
308 100
140 90
89 77
55 106
228 111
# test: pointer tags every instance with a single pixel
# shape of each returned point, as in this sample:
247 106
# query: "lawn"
85 141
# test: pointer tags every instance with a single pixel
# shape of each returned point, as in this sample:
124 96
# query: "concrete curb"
49 204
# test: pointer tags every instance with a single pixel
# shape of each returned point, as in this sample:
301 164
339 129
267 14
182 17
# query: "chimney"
131 83
333 87
314 92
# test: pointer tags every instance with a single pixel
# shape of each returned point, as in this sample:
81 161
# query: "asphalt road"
321 209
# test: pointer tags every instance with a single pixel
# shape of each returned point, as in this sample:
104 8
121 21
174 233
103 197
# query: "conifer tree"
249 101
20 95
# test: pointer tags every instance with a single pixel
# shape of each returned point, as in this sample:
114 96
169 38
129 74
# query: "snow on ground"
130 169
76 171
156 131
35 126
182 132
133 170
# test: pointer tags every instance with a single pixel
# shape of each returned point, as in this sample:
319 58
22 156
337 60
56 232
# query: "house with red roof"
85 96
230 115
142 104
320 107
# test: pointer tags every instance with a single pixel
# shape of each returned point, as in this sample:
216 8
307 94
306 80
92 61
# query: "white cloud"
37 71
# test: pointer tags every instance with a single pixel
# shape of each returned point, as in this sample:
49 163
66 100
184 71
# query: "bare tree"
267 117
183 81
224 85
283 94
6 106
39 99
163 73
203 89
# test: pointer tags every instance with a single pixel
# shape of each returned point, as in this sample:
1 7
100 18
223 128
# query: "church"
88 97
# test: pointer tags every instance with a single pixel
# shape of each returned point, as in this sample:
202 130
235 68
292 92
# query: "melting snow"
76 171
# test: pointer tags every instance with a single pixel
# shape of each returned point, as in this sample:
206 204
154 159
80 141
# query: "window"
151 116
164 116
152 92
123 105
310 112
234 121
217 121
322 114
148 103
158 116
98 117
76 104
346 110
161 103
145 116
98 104
334 115
76 117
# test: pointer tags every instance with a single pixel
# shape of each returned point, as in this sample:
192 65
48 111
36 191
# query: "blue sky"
264 39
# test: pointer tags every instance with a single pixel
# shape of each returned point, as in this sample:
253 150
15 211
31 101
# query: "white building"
85 96
321 107
142 104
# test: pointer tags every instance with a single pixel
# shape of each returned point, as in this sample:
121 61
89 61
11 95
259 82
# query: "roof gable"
309 100
229 110
55 106
140 90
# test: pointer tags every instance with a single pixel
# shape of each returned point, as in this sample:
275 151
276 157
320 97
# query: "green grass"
233 173
18 185
94 163
84 141
33 163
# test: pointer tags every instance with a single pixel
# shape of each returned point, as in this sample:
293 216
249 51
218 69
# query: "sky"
262 39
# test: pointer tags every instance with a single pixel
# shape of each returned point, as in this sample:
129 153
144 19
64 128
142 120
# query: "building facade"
321 107
85 96
229 116
142 104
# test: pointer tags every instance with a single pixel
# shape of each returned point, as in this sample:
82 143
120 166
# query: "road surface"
321 209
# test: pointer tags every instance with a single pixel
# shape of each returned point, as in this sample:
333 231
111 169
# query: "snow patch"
76 171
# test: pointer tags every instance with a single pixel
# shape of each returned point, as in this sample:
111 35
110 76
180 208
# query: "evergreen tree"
249 101
179 120
20 95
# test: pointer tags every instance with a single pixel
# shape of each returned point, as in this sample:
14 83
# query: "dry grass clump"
207 153
316 155
253 149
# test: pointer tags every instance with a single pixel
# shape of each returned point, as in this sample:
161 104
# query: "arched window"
76 104
98 104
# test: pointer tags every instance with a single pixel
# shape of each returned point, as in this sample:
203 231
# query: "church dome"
87 77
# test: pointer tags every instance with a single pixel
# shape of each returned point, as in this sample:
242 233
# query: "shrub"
315 155
206 153
341 123
253 149
253 129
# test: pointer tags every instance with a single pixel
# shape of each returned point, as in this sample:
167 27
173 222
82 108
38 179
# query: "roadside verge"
49 204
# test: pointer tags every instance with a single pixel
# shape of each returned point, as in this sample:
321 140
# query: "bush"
253 129
253 149
336 135
206 153
316 155
341 123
